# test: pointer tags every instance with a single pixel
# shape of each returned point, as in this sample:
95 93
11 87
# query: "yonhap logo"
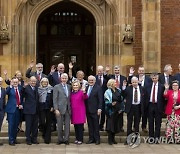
134 140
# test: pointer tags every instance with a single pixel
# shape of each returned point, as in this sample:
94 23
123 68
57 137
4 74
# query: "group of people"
61 98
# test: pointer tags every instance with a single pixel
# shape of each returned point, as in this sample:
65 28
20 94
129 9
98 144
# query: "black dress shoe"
28 143
66 142
114 142
60 142
16 142
125 143
11 143
101 129
97 142
1 144
35 142
90 142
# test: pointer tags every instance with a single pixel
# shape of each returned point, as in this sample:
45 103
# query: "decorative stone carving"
128 35
4 34
33 2
99 2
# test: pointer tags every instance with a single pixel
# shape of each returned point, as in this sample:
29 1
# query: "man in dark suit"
143 80
14 104
134 104
55 76
61 102
2 103
119 84
166 77
101 80
38 73
30 111
155 103
93 109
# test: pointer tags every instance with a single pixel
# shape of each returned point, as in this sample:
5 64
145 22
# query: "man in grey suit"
2 103
61 101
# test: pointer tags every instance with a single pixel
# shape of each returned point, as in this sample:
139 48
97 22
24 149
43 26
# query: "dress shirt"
138 97
156 91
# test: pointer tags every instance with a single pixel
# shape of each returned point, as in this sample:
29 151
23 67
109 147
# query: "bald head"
33 81
100 70
61 68
134 81
91 80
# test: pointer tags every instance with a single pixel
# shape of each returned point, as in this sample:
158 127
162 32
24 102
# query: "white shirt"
143 79
102 78
166 78
156 91
138 98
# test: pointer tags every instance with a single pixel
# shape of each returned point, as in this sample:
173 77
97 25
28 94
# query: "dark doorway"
67 31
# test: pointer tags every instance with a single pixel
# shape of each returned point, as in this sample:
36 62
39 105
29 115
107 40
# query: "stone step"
120 137
72 133
54 139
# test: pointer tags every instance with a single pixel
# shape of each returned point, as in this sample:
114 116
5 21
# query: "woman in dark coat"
113 106
45 108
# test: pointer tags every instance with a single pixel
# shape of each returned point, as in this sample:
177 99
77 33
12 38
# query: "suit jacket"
54 79
60 101
128 94
160 98
29 73
122 78
95 100
30 105
162 79
147 80
104 85
12 103
2 101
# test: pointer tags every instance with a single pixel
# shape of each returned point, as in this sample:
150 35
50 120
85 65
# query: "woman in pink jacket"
173 112
78 110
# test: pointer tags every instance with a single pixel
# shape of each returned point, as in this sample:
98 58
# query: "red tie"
117 82
153 94
17 97
39 77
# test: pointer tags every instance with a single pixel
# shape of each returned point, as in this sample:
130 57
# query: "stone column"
151 37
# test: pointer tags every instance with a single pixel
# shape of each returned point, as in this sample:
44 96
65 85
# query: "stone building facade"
117 32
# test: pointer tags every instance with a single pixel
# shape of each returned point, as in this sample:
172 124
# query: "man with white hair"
166 77
55 76
2 103
61 102
134 106
93 109
38 73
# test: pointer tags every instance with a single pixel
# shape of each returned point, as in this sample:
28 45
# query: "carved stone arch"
40 7
26 46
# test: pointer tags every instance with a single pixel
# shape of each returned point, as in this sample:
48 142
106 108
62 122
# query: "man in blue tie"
93 109
61 102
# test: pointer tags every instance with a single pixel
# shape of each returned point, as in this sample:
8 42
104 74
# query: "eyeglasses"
175 85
